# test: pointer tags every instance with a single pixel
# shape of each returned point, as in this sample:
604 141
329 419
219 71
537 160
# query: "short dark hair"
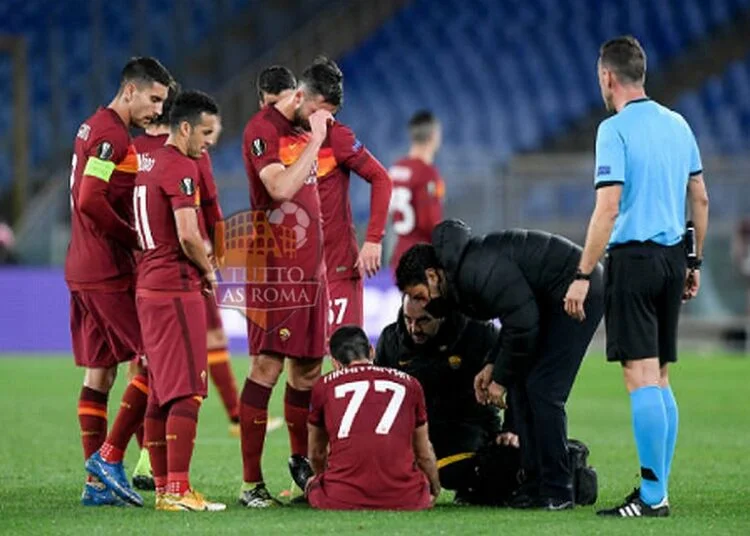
324 77
166 107
349 343
412 265
189 105
275 79
145 70
625 57
422 126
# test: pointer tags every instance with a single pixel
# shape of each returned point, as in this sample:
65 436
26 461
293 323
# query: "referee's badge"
454 362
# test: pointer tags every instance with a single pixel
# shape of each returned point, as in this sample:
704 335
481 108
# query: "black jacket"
446 367
513 275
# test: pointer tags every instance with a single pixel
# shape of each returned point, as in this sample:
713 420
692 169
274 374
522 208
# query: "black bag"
585 481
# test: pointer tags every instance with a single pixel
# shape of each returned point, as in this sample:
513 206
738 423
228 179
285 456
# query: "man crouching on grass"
375 421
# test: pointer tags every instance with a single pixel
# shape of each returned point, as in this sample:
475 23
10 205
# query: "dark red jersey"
101 187
287 241
340 154
416 203
167 180
370 414
208 193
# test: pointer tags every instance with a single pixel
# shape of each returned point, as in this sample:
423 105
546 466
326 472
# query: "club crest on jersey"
83 131
284 334
454 362
145 162
259 147
105 151
187 186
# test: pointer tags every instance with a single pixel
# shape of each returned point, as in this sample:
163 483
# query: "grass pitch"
41 466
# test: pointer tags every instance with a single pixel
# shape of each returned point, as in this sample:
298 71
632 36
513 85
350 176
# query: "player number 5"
359 390
401 203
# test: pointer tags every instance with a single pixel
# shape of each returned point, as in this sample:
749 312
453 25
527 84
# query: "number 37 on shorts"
345 304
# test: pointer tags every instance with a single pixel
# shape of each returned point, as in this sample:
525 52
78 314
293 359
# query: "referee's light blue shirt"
652 152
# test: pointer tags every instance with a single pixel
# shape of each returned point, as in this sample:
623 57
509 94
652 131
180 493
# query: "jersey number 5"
401 204
360 389
142 225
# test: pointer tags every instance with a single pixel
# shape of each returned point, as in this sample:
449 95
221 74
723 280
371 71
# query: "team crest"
454 362
187 186
259 147
105 151
284 334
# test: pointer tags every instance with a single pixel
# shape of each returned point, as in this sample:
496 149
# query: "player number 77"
359 390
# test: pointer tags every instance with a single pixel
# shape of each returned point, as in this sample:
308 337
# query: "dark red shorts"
299 332
174 337
104 328
346 303
321 497
213 314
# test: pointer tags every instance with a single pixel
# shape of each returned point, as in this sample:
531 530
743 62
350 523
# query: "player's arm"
92 196
610 176
424 455
317 441
191 241
211 209
351 153
429 204
282 183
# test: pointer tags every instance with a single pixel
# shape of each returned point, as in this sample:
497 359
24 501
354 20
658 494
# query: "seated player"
368 436
476 457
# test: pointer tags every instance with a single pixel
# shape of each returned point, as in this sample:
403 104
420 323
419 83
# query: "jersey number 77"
360 390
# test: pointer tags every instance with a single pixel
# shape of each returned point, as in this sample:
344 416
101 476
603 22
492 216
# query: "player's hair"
625 57
166 107
422 126
275 79
189 105
412 265
324 77
349 343
145 71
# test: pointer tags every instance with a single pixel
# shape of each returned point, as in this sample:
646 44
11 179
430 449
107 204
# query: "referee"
647 160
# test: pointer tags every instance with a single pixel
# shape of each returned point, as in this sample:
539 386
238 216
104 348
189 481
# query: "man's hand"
209 283
575 298
369 258
482 382
319 124
508 439
435 491
692 285
496 394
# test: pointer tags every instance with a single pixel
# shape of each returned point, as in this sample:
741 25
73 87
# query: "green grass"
41 464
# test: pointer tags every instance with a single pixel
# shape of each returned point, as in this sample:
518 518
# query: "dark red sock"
128 420
253 421
182 424
139 437
296 411
155 440
92 418
220 369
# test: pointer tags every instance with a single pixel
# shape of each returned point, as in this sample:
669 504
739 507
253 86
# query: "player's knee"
216 338
304 373
641 373
664 377
266 369
100 379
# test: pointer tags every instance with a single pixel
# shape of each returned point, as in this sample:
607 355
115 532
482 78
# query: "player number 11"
359 390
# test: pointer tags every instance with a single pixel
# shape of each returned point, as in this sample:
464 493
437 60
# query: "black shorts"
644 283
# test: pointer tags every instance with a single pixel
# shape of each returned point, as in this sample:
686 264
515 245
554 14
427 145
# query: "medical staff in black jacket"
519 277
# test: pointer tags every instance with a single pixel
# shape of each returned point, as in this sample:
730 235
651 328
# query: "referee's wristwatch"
694 263
580 276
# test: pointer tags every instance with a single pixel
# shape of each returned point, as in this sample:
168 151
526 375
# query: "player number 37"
360 390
